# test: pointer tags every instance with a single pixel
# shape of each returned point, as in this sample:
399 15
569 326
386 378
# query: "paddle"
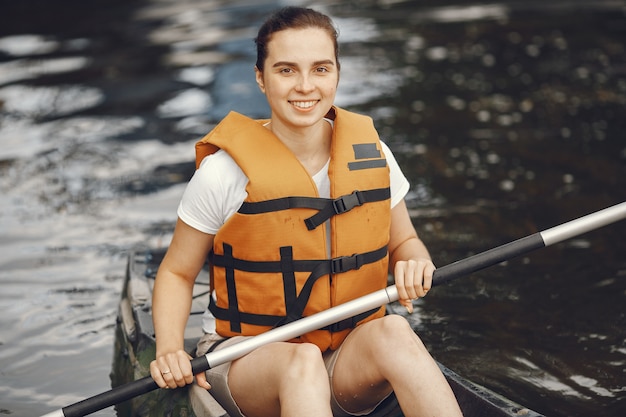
354 307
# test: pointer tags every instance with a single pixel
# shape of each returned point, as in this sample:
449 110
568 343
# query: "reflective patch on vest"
365 151
368 156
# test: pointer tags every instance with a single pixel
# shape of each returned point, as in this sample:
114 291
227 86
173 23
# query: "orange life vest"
269 263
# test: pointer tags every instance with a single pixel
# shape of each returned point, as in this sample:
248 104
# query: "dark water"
508 118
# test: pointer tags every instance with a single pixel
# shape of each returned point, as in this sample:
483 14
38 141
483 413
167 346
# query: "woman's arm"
409 260
171 304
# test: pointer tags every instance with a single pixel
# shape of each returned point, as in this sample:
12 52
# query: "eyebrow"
293 64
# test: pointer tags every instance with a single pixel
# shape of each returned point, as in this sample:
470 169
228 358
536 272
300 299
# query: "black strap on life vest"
327 207
350 322
287 266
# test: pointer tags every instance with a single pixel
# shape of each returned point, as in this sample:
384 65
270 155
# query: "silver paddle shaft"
584 224
304 325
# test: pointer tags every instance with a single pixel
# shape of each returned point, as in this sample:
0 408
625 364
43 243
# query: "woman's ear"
259 79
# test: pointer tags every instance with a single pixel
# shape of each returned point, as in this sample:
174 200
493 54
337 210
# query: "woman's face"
300 77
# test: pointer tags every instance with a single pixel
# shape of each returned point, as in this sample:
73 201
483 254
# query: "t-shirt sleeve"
213 194
399 184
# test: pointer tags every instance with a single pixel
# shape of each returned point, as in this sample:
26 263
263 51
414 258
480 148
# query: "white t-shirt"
218 188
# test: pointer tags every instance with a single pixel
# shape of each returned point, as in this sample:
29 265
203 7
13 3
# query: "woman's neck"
311 146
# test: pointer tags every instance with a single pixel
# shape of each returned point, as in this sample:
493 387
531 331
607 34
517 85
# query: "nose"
304 83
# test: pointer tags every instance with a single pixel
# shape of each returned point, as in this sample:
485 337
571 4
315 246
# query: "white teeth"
303 104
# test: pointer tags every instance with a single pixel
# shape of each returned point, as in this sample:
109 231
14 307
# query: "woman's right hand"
173 370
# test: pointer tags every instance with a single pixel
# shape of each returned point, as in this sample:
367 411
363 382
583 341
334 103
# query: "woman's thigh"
356 381
273 375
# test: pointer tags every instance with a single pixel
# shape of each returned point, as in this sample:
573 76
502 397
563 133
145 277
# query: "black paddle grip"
123 393
488 258
111 397
199 364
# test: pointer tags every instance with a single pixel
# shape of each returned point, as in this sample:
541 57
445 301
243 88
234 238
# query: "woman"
274 202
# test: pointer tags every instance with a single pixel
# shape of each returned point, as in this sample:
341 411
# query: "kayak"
135 348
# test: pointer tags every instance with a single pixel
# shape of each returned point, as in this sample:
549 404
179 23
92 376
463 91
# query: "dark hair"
293 18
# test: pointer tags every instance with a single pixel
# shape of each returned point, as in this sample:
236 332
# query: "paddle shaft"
529 243
335 314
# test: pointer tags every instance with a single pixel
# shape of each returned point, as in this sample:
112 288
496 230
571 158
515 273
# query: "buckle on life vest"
346 263
348 202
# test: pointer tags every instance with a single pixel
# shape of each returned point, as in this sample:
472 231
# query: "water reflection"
43 102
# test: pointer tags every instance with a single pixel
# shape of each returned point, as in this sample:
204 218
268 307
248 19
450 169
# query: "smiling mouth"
304 104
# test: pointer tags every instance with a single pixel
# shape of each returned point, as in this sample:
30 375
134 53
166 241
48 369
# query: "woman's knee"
303 362
393 330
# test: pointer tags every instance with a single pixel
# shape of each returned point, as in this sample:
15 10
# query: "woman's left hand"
414 278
